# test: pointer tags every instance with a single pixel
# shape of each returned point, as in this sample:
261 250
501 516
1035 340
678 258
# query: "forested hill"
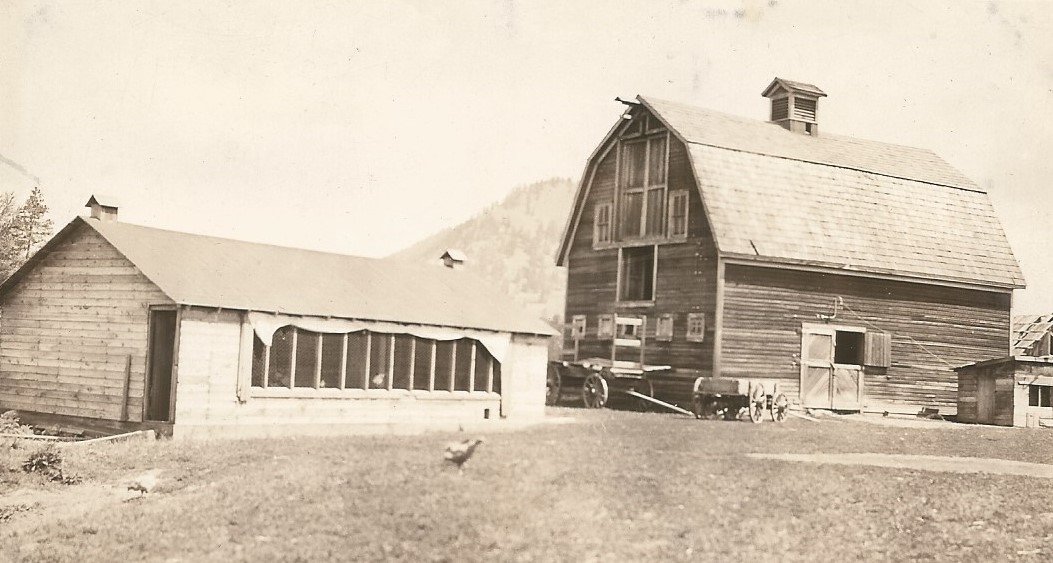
513 243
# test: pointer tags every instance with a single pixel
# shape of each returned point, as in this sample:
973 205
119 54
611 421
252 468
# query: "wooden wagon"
732 398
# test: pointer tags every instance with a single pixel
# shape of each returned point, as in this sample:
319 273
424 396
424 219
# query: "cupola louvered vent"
794 105
780 109
804 108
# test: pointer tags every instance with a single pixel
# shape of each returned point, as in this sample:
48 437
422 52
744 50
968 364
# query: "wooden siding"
68 329
686 279
1012 377
933 330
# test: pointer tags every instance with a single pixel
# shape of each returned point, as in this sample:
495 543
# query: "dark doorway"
161 354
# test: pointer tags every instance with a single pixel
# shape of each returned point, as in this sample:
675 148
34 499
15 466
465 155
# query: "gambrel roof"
232 274
836 202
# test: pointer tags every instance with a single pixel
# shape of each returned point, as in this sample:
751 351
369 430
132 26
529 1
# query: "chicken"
146 482
460 452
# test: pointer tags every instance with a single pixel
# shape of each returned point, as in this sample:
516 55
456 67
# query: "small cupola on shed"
453 258
103 208
794 105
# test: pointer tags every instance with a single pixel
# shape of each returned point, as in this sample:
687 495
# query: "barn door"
161 355
817 366
832 367
985 399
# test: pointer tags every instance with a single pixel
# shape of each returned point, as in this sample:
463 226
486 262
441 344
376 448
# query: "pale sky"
361 127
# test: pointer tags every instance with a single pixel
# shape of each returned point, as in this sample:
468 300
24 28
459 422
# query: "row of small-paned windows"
371 360
676 211
1039 396
664 327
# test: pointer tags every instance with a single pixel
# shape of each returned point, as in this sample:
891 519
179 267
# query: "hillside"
513 243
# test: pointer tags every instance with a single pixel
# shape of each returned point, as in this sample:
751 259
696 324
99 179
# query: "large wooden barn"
856 273
125 325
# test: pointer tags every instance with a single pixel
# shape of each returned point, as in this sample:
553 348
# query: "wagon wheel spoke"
644 388
779 405
594 391
757 411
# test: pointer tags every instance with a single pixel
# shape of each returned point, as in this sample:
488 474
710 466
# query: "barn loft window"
678 213
636 273
299 358
602 226
1039 396
642 187
664 329
696 327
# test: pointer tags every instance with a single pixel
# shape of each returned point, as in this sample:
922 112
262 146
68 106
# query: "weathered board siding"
68 328
933 329
1011 377
213 355
686 279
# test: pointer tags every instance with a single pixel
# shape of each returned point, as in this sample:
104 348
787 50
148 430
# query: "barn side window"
304 360
602 225
678 214
636 274
696 327
605 326
1039 396
642 187
664 329
577 327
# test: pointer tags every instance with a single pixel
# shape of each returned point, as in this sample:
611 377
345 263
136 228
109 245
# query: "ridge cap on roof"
967 184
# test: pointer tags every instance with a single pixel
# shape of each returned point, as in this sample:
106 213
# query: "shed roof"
1027 330
216 272
837 202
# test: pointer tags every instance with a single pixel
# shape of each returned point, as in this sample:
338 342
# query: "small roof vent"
103 208
794 105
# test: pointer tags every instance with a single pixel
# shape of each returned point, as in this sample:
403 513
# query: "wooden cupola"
103 208
794 105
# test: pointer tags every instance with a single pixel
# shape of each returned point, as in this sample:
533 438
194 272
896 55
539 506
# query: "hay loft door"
832 367
161 354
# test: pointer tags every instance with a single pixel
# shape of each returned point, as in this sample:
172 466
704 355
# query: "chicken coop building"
855 273
130 326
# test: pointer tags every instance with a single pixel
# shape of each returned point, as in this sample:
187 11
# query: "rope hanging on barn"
879 329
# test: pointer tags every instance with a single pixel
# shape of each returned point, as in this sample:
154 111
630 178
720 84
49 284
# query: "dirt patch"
28 508
923 463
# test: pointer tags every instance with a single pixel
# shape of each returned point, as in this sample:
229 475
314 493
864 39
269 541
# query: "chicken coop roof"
216 272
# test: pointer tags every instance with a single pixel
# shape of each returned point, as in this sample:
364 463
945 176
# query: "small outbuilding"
1011 391
129 326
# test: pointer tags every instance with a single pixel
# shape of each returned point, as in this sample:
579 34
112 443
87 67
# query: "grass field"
611 486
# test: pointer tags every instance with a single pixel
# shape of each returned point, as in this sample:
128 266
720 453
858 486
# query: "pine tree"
31 225
9 255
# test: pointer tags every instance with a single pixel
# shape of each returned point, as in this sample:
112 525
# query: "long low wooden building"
856 273
126 326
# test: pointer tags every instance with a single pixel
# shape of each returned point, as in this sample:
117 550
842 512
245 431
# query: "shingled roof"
830 201
231 274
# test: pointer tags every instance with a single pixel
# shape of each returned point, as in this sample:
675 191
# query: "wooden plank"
127 384
343 362
431 366
471 369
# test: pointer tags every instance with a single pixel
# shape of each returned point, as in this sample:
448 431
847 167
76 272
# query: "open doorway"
161 359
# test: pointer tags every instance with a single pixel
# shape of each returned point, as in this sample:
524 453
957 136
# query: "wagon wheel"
644 387
706 407
594 392
779 405
757 399
552 385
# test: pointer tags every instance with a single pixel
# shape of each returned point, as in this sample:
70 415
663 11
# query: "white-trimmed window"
678 214
577 327
664 329
1039 396
636 273
605 326
696 327
601 233
301 359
